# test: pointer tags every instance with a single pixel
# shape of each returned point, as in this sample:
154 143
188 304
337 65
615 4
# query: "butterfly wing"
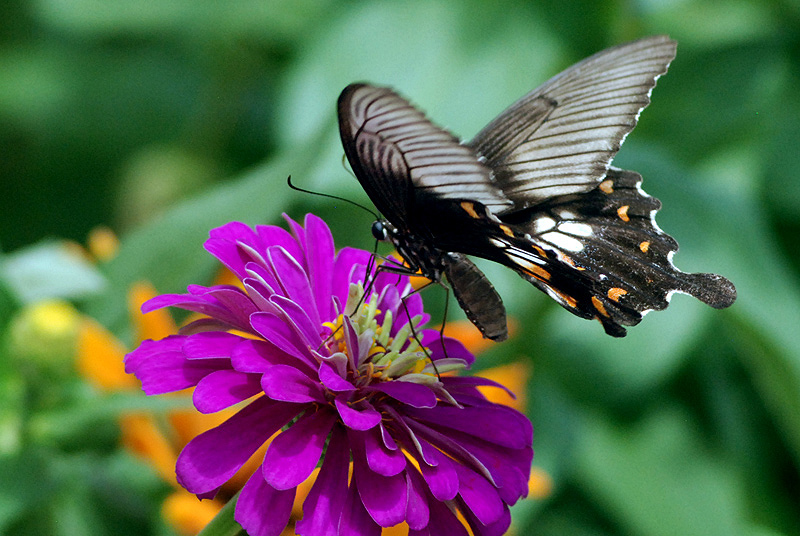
404 161
560 138
600 255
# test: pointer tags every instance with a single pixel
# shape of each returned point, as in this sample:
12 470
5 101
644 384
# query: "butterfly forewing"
401 158
560 138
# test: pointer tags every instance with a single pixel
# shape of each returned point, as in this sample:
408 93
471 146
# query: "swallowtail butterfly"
534 191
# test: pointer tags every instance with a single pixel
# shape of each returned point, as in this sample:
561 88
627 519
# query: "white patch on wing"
498 243
563 241
575 228
543 224
521 256
566 215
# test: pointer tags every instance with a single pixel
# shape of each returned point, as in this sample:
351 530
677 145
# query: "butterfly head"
381 230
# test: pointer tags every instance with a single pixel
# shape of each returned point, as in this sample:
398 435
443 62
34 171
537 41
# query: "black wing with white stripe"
600 255
400 157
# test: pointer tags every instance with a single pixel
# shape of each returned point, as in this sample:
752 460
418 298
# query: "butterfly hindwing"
600 255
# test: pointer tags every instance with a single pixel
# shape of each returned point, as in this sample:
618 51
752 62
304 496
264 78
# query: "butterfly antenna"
331 196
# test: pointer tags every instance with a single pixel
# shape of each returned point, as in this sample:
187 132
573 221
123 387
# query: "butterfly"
534 191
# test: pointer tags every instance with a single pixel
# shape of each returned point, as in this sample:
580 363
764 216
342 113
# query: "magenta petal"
385 498
380 459
299 317
323 506
497 424
496 528
349 267
211 458
262 510
162 367
224 388
257 356
442 521
417 511
292 277
479 495
276 331
441 475
331 379
272 235
452 347
294 453
210 344
320 264
362 418
223 244
288 384
413 394
355 520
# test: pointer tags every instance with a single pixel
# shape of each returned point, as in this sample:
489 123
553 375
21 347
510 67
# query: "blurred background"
156 121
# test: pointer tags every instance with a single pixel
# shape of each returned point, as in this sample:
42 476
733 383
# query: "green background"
164 119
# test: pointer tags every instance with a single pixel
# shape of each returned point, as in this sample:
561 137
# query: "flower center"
378 355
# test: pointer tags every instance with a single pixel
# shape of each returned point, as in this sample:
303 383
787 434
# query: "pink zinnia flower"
302 350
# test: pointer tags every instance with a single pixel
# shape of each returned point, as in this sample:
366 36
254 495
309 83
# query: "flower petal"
213 457
349 267
362 418
276 331
223 244
330 378
413 394
380 459
262 510
496 528
355 520
292 277
320 263
294 453
224 388
162 367
288 384
442 521
497 424
384 497
479 495
272 235
440 475
210 345
417 511
325 502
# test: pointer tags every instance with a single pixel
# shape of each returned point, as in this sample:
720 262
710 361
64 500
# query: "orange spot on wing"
622 212
538 272
607 186
614 293
507 230
599 306
470 209
540 251
644 246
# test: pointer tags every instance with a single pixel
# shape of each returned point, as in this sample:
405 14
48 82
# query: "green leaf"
655 478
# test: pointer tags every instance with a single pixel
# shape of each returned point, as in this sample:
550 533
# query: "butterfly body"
534 191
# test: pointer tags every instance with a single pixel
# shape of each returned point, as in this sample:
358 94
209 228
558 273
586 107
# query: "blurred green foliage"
164 119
